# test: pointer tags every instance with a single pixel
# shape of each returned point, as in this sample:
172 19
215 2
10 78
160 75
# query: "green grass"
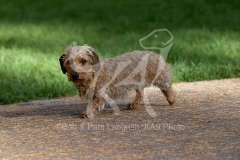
33 35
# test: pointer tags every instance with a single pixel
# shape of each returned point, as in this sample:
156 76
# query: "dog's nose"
75 75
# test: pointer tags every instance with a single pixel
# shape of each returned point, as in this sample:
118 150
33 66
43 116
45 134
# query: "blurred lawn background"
33 35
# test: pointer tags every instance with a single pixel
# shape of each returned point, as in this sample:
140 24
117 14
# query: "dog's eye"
70 62
83 61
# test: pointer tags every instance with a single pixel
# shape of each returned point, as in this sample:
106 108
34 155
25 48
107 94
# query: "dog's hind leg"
164 82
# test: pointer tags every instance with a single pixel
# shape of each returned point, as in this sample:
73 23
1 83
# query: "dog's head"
79 63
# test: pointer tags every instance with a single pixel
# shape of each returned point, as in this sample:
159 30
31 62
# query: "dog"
102 80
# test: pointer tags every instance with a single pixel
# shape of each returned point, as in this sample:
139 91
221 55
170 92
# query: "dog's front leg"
93 107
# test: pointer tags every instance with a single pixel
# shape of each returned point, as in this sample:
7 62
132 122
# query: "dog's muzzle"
75 75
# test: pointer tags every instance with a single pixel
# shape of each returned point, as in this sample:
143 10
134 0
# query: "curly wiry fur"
100 80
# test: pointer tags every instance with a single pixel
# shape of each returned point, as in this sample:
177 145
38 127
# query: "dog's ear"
95 59
63 58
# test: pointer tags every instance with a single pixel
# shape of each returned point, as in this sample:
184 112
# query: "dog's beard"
83 82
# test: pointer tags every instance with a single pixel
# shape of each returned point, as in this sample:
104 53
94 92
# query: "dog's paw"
171 100
132 106
87 114
83 115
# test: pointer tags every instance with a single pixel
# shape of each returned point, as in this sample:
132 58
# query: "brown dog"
100 80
